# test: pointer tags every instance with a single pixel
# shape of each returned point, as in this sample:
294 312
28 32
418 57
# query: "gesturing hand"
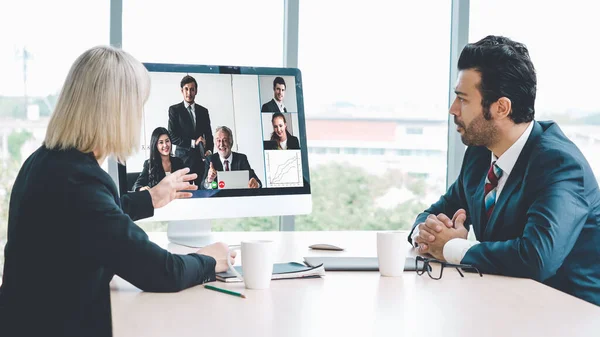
201 139
253 183
171 188
212 173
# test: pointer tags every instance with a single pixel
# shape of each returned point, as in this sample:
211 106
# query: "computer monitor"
244 100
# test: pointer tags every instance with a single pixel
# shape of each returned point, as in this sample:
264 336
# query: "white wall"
246 127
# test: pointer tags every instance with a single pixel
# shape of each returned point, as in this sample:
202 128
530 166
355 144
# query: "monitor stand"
190 233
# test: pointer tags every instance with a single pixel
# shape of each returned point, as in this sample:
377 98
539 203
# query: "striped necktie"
491 188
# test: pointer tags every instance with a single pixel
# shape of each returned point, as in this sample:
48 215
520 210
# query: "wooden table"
352 303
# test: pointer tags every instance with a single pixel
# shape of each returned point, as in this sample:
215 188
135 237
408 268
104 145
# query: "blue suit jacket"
546 222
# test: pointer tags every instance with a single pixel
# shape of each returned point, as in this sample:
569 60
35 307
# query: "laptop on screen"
232 179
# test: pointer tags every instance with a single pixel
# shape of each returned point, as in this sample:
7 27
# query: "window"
37 49
247 33
565 57
376 152
351 150
373 80
414 131
333 150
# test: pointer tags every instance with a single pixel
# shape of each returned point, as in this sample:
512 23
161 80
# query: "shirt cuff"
193 145
414 235
456 249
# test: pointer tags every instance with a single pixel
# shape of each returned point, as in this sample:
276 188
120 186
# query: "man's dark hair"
188 79
278 80
506 71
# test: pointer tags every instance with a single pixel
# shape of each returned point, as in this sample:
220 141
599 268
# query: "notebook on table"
343 263
280 271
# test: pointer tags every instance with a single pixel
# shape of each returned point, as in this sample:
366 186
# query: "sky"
385 57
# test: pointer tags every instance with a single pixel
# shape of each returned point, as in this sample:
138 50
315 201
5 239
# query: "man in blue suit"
528 192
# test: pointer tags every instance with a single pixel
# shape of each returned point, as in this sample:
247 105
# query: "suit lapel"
217 164
186 113
514 179
478 220
234 162
197 130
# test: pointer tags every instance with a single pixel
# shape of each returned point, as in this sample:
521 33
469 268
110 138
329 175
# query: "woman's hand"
218 251
173 187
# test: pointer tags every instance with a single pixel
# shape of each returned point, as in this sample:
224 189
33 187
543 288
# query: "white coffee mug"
257 263
391 253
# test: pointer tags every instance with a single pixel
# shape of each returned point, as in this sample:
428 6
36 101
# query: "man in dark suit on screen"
276 104
527 191
189 127
227 160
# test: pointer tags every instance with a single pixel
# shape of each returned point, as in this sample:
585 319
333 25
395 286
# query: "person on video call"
530 194
161 162
226 160
67 234
189 127
276 104
281 138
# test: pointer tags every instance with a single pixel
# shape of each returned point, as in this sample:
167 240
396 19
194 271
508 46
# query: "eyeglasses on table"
435 268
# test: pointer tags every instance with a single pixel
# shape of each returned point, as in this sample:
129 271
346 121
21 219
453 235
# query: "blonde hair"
100 106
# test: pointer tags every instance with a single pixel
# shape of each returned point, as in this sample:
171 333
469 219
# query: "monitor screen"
241 129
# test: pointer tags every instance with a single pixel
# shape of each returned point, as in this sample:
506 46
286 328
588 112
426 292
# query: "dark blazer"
67 237
182 132
239 162
271 106
546 222
292 144
144 177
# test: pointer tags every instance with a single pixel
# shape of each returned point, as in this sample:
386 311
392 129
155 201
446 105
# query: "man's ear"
503 107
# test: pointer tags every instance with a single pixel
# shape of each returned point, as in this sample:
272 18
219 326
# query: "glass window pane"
38 47
205 32
242 33
376 87
565 55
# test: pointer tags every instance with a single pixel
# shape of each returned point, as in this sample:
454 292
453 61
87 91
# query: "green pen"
224 291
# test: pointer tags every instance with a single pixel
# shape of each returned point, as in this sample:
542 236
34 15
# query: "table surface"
351 303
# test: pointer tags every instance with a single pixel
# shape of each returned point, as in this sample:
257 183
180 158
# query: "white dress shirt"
280 105
455 249
187 105
283 145
228 161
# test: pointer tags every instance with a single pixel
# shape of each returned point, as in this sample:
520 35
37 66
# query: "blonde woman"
67 234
